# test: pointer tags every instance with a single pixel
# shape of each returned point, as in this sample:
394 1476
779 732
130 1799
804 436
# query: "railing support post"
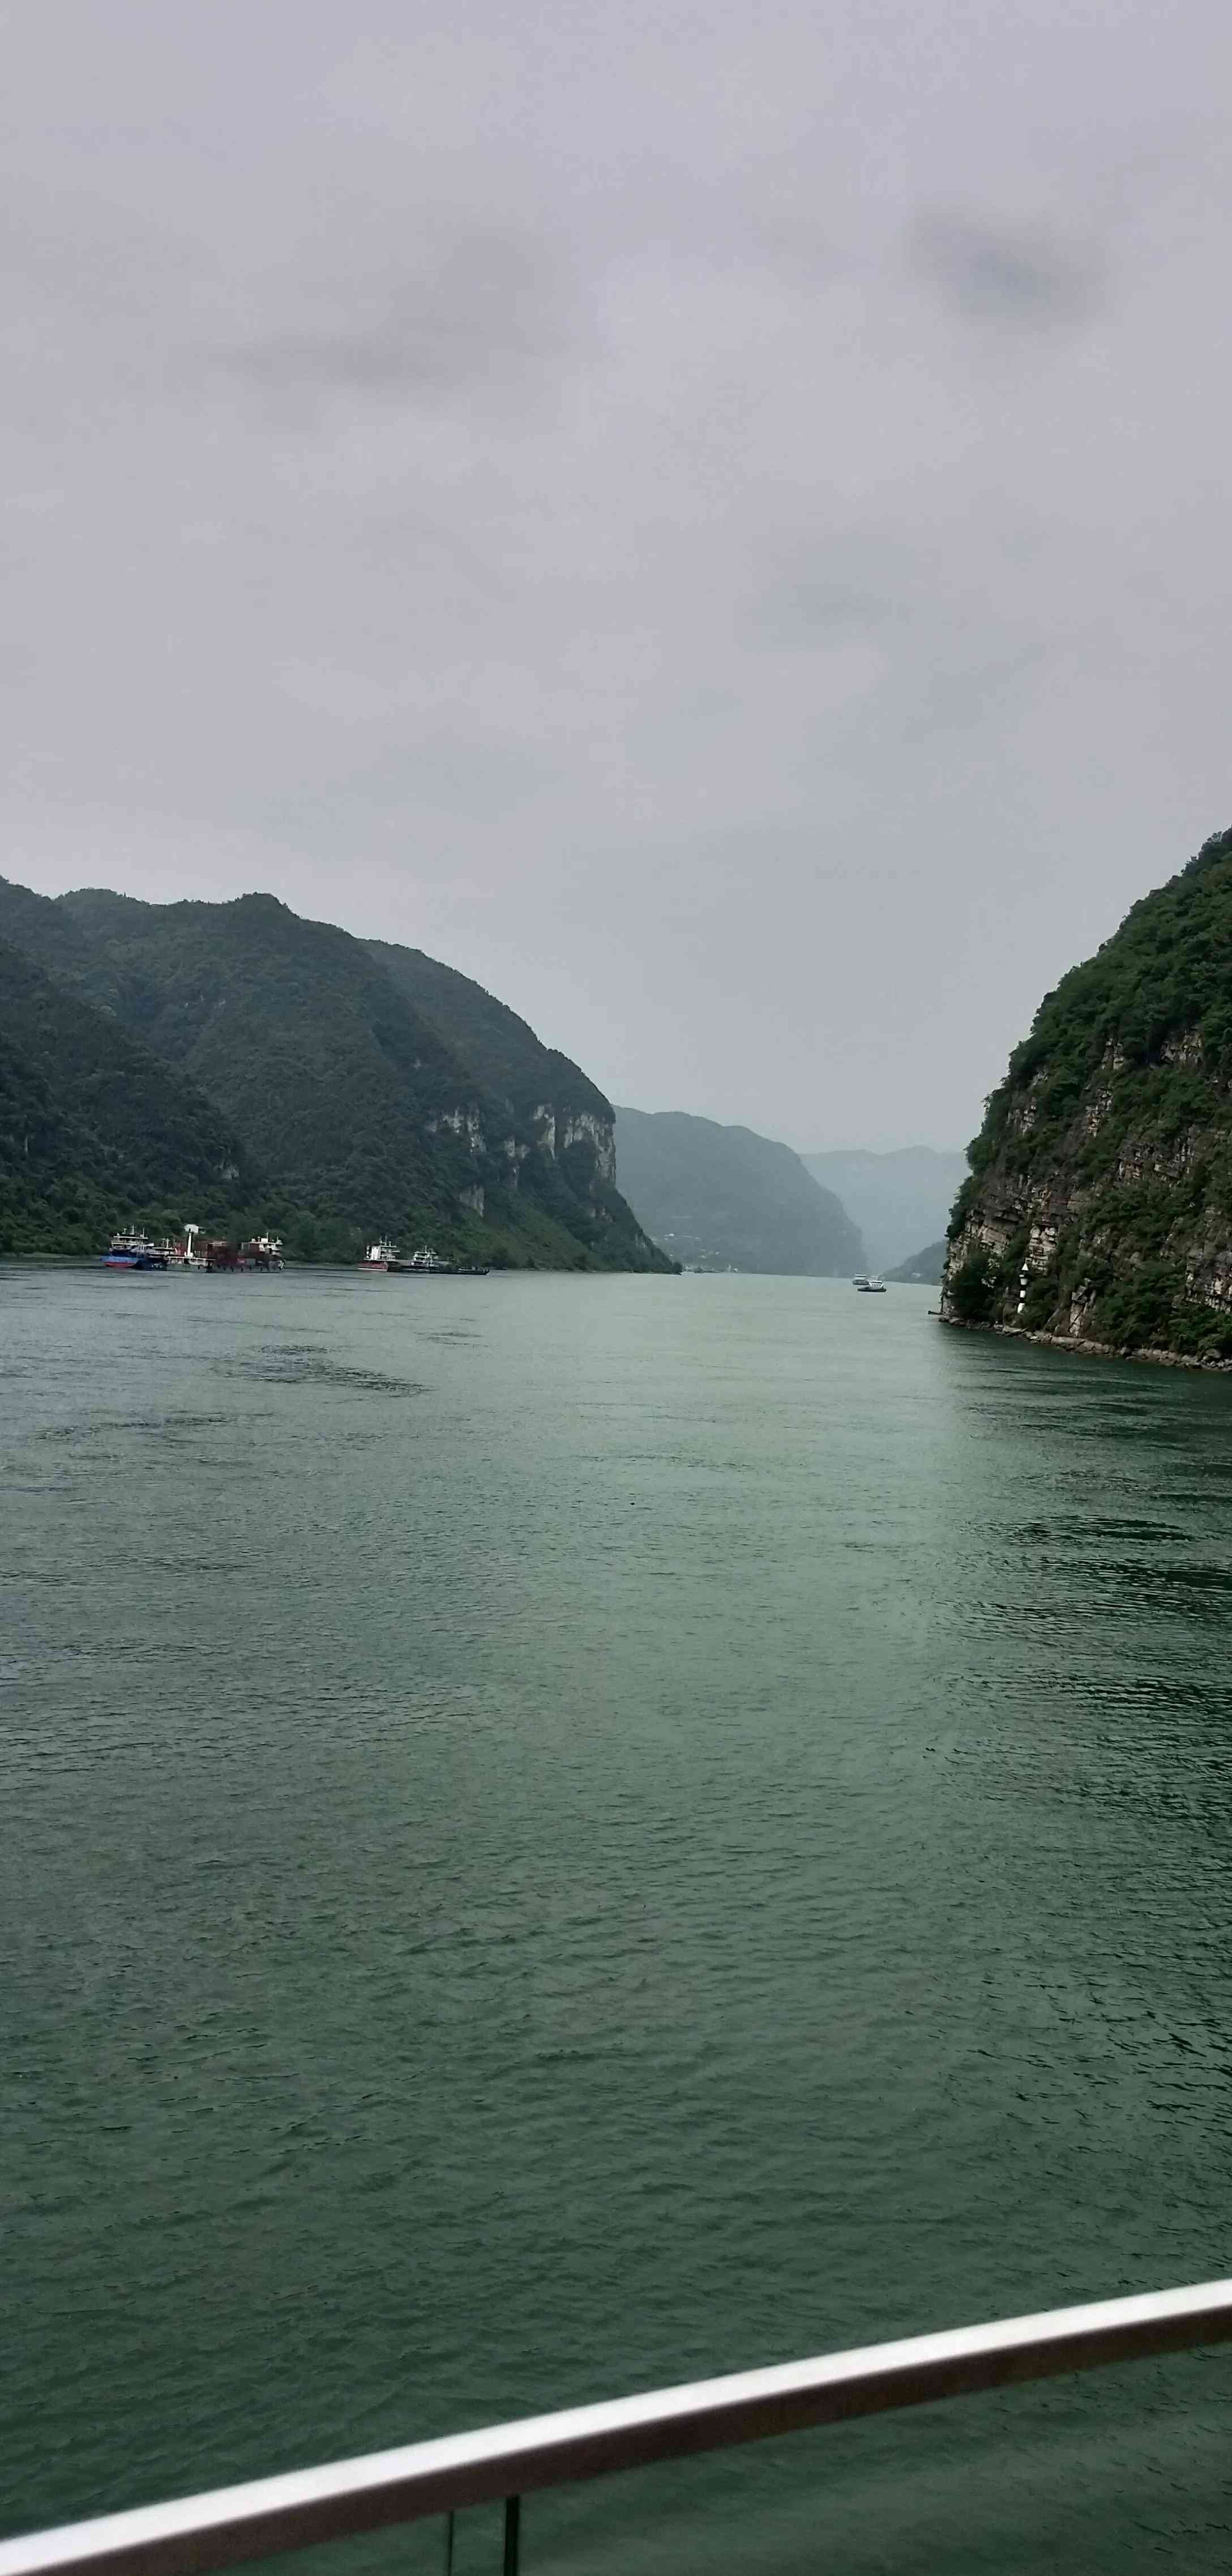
513 2517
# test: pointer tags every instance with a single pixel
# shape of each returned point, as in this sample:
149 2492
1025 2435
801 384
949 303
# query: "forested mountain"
94 1126
723 1198
1100 1203
898 1200
501 1050
362 1112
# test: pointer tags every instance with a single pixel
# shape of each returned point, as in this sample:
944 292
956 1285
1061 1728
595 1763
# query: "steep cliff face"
548 1132
1100 1203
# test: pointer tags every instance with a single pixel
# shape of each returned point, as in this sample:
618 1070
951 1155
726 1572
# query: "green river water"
562 1835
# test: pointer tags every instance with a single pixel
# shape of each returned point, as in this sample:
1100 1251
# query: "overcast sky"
713 519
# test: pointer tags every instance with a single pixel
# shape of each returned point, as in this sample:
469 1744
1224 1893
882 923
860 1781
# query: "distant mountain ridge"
356 1107
725 1198
898 1200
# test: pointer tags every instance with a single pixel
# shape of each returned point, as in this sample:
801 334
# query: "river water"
567 1834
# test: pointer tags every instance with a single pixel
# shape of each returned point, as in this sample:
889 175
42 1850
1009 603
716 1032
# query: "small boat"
135 1252
380 1256
426 1264
872 1287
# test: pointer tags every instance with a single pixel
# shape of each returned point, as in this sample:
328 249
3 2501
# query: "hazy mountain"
927 1265
725 1198
94 1129
897 1200
1100 1202
363 1112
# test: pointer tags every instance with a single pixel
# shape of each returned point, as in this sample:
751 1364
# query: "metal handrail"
508 2460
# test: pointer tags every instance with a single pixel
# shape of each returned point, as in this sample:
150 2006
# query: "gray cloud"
575 495
1017 274
477 310
853 580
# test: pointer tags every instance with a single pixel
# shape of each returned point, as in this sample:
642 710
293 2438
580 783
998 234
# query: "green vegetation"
94 1131
723 1198
343 1103
1100 1201
972 1289
501 1051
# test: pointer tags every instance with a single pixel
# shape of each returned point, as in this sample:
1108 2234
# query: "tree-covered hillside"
1100 1201
501 1050
362 1116
724 1198
338 1088
94 1131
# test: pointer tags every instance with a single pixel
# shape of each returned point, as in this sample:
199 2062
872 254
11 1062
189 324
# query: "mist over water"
562 1835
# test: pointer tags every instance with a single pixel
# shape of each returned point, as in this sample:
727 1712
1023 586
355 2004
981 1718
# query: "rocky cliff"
550 1132
1099 1208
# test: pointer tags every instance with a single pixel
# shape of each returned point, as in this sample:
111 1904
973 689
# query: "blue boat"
134 1252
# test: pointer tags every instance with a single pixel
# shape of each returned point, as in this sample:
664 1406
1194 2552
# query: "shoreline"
1084 1349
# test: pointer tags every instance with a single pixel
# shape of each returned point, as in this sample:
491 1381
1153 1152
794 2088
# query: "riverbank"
1085 1349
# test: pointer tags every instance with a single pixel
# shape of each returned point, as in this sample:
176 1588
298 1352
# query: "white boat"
872 1287
379 1255
427 1264
262 1252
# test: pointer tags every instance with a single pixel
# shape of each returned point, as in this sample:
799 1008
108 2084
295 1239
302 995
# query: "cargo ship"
261 1252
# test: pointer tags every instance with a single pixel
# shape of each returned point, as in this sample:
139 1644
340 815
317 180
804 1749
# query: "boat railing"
506 2462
